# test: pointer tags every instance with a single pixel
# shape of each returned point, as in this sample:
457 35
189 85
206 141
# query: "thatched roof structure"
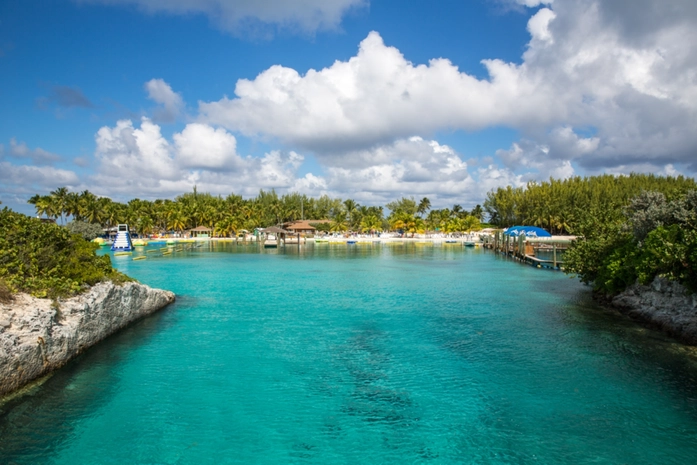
276 230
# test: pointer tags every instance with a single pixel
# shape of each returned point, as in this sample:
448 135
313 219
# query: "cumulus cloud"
198 155
245 16
172 103
201 146
413 166
373 98
583 67
205 156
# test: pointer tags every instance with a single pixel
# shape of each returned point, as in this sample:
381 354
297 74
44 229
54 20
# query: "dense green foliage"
565 206
88 231
46 260
232 214
655 237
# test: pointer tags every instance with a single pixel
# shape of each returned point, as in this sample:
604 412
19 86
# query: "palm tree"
59 199
72 206
478 212
371 223
226 226
471 223
177 220
424 205
339 222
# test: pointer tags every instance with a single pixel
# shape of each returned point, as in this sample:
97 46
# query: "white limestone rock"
36 336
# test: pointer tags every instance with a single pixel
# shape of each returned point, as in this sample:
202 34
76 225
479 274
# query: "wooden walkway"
526 249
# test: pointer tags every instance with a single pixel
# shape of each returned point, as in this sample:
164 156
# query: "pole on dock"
554 252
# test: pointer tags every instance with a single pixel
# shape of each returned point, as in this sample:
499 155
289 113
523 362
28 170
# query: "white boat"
469 241
270 242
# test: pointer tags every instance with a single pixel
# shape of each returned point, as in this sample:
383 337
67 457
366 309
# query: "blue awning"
529 231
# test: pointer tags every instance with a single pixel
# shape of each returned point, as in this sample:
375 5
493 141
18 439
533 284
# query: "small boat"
350 242
451 242
468 243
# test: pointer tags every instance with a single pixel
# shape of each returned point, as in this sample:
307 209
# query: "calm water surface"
363 354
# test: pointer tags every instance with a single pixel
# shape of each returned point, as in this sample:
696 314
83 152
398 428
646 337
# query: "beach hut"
304 226
200 231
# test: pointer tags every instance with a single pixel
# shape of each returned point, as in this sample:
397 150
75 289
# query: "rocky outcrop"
37 335
664 304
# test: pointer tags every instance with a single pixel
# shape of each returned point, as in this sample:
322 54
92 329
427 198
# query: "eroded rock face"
36 337
664 304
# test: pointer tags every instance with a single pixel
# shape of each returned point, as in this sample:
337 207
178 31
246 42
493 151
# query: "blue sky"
353 98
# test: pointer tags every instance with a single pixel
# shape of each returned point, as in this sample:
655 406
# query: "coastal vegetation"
653 237
576 205
46 260
232 214
630 228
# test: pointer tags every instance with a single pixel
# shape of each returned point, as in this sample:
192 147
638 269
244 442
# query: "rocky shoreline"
37 336
663 304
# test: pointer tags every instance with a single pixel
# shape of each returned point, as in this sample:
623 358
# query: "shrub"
658 238
88 231
46 260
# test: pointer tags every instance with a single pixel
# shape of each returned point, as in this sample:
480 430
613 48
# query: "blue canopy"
529 231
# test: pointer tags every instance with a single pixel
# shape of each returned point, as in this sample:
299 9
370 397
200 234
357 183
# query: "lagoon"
367 353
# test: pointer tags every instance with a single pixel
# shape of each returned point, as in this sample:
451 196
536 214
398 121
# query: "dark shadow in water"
373 399
42 419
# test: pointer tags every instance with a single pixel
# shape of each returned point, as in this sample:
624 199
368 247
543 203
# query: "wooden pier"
527 249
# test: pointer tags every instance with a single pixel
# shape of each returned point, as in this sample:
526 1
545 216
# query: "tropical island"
631 229
636 237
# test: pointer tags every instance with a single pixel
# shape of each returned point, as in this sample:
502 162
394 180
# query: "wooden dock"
527 249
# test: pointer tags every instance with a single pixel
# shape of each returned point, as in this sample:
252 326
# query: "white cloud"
538 25
251 16
172 103
142 162
584 68
412 167
206 157
124 151
27 178
202 146
375 97
38 155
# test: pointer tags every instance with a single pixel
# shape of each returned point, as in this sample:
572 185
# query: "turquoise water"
363 354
